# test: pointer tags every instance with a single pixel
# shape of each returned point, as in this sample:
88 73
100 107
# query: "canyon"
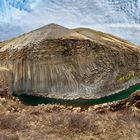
57 62
60 83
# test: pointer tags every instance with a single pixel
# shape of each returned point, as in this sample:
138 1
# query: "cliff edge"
58 62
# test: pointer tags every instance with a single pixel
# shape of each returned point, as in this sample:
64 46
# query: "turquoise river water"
35 100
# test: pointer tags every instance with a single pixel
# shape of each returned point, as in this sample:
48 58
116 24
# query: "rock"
132 100
58 62
137 104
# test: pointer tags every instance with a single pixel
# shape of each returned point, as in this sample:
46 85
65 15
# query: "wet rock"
137 104
130 101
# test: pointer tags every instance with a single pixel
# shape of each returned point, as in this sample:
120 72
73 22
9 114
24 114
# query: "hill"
58 62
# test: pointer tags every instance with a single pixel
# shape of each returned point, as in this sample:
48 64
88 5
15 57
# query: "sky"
118 17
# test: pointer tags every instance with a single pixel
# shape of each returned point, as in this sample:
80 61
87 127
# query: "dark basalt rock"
133 100
137 104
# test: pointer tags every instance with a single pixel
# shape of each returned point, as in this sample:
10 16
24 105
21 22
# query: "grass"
71 125
54 122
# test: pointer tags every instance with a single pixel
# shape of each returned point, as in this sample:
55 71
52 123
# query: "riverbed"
36 100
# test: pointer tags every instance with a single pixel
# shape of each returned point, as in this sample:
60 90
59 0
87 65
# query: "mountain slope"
58 62
51 31
104 38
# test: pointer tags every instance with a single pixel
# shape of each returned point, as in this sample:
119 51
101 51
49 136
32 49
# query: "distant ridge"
50 31
55 31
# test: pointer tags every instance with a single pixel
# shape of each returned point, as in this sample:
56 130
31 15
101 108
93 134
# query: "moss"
129 76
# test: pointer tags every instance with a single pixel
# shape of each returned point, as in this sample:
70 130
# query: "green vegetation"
129 76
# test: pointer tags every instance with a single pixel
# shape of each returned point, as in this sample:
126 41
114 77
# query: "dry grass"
36 124
54 122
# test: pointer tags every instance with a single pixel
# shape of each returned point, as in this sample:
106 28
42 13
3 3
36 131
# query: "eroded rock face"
71 68
5 81
62 63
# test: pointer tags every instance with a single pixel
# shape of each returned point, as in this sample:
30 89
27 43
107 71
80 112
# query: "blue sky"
118 17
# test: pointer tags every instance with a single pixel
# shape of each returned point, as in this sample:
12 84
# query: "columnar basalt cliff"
5 81
57 62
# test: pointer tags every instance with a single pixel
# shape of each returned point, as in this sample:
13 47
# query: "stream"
36 100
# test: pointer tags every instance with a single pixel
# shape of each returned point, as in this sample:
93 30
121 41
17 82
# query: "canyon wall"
5 81
70 69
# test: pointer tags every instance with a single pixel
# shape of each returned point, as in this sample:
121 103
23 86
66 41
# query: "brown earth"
113 121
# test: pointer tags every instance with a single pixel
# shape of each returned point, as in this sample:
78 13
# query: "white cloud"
105 15
8 31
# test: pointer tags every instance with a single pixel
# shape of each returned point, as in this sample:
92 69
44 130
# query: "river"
36 100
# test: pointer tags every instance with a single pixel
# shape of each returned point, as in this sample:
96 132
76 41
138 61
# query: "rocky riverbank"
115 121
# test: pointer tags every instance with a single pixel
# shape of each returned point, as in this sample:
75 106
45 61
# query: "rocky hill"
58 62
